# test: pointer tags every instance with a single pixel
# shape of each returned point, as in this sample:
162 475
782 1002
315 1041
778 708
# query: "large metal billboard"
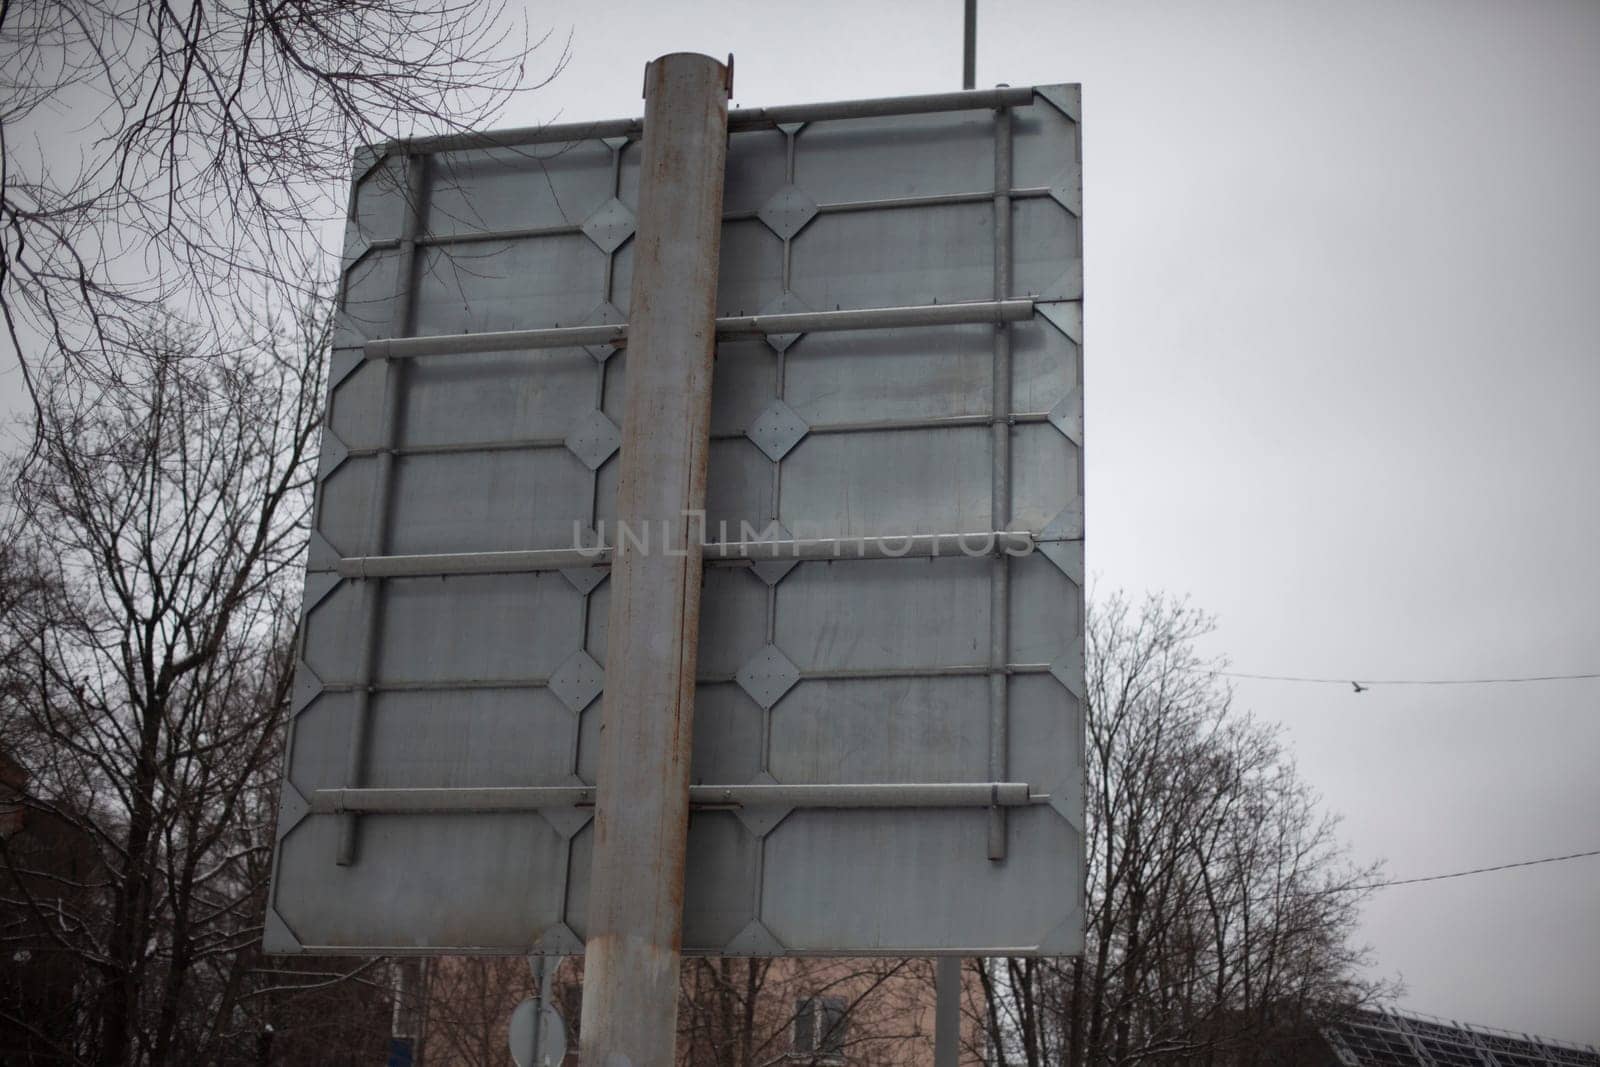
888 723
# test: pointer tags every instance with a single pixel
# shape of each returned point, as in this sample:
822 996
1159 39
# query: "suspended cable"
1362 682
1464 874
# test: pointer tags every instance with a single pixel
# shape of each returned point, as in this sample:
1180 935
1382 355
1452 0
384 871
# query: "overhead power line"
1363 681
1477 870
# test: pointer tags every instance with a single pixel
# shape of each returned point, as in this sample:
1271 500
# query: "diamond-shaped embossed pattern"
578 680
610 224
777 430
788 211
767 675
594 439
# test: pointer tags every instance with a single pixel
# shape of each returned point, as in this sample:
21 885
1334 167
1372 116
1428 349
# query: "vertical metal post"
969 46
946 1011
417 174
1000 488
635 918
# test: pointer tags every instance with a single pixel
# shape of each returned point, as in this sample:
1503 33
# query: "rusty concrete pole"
635 917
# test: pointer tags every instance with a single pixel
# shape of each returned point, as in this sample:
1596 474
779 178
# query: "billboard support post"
969 45
635 913
947 1011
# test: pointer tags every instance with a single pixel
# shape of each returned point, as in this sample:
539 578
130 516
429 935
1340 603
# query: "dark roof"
1391 1039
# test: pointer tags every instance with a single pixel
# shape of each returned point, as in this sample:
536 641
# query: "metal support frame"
1000 481
741 120
975 543
887 203
974 312
635 913
417 173
479 799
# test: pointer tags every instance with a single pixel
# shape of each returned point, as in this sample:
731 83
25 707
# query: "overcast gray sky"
1343 389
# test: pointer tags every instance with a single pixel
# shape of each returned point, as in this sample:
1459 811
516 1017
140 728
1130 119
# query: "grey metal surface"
894 669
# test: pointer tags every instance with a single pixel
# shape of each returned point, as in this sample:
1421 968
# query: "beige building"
865 1012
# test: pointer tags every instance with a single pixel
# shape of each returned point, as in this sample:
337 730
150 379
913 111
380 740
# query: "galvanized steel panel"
821 672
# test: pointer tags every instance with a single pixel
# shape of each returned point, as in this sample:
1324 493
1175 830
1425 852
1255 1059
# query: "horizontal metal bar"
872 795
888 203
958 671
456 344
976 543
740 120
616 334
444 685
946 422
510 445
967 100
533 798
986 196
859 674
462 237
882 318
443 563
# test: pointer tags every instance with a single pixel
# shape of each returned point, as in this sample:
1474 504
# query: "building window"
819 1028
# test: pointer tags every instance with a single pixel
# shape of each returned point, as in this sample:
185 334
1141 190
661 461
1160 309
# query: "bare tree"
468 1006
759 1012
177 153
158 535
1220 904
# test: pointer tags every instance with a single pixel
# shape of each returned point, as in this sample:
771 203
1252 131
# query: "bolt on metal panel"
873 650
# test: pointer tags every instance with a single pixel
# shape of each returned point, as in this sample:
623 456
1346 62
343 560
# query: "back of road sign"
434 688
